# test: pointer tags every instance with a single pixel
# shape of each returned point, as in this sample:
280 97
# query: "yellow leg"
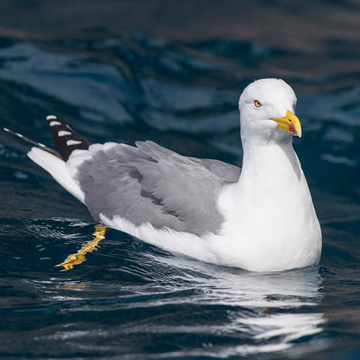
88 247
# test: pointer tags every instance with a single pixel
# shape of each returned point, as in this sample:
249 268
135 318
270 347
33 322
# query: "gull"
258 218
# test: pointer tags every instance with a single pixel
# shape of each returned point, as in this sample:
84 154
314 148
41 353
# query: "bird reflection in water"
282 307
88 247
268 312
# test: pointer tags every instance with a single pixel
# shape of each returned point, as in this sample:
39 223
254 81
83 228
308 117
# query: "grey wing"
149 183
229 173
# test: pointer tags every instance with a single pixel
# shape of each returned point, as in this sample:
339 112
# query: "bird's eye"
257 103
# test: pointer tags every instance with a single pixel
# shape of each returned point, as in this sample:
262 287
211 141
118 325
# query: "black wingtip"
65 138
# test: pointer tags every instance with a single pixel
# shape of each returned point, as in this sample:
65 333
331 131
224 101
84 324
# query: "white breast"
270 222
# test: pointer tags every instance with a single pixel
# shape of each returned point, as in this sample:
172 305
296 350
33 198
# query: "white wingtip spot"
51 117
73 142
6 129
63 133
54 123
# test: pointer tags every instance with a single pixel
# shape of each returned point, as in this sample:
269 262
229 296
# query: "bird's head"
267 111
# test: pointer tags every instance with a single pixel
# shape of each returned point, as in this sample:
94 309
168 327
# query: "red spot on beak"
292 129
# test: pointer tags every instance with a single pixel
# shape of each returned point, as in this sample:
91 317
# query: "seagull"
258 218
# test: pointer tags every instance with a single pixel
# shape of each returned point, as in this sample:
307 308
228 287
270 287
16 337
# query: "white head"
267 108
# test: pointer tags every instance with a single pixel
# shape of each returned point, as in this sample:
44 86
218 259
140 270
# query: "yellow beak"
290 123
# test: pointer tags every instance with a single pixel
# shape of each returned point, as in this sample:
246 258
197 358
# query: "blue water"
130 300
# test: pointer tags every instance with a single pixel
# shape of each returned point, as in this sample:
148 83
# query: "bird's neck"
271 175
270 162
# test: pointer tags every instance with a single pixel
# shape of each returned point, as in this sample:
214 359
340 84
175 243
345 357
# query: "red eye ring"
257 104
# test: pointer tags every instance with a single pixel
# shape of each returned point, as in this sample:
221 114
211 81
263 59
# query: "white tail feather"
57 168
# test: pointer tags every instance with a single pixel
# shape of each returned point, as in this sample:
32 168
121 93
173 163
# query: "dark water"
130 300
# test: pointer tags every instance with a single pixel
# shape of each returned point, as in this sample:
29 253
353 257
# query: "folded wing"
149 183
